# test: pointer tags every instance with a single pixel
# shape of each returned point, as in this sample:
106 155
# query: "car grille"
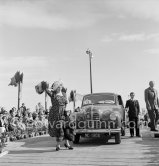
96 116
93 122
96 119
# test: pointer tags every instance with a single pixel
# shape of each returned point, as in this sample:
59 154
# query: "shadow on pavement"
151 150
30 151
92 142
47 144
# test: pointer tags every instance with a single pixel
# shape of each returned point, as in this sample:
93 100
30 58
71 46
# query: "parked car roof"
109 93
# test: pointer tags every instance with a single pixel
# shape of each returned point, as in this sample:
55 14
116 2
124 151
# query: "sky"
47 40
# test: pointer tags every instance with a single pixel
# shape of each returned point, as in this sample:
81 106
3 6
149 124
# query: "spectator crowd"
22 122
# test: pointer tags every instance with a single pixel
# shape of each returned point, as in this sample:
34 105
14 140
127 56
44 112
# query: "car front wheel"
117 138
76 139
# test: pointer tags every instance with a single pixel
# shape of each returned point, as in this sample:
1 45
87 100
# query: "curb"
25 136
3 153
150 134
155 134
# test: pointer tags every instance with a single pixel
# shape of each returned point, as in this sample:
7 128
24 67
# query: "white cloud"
26 17
133 37
147 9
154 51
154 36
57 15
140 37
22 62
107 39
41 15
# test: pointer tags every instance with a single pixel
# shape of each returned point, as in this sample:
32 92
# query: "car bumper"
100 131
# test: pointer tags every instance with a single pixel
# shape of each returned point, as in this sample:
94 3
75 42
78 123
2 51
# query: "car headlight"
113 116
105 115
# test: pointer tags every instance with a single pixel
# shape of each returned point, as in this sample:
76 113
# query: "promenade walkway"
90 152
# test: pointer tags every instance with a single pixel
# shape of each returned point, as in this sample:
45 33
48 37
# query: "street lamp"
90 58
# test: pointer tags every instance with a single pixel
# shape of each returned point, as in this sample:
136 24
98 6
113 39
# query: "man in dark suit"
133 112
152 105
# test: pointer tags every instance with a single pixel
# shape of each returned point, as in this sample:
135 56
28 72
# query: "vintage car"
101 114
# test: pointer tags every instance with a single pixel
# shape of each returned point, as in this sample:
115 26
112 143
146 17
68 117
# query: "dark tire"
122 131
117 138
107 139
76 139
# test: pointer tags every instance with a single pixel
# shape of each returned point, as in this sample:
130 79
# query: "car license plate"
95 135
87 135
92 135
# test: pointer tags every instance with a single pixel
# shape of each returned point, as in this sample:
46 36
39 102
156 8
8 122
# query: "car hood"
101 108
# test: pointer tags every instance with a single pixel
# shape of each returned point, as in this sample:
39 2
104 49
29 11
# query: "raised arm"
50 93
64 90
45 87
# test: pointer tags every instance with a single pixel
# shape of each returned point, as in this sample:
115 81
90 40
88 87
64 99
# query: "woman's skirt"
60 127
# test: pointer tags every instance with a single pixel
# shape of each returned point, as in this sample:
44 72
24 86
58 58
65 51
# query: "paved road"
95 152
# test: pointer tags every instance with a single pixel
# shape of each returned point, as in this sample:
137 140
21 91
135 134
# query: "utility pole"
19 94
90 64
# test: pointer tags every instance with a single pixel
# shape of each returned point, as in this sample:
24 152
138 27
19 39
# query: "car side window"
120 100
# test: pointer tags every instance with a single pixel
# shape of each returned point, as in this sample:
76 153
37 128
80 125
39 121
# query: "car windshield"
98 99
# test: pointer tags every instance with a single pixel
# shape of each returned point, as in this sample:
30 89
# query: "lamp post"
90 58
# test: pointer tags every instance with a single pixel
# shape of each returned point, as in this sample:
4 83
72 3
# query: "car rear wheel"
117 138
76 139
